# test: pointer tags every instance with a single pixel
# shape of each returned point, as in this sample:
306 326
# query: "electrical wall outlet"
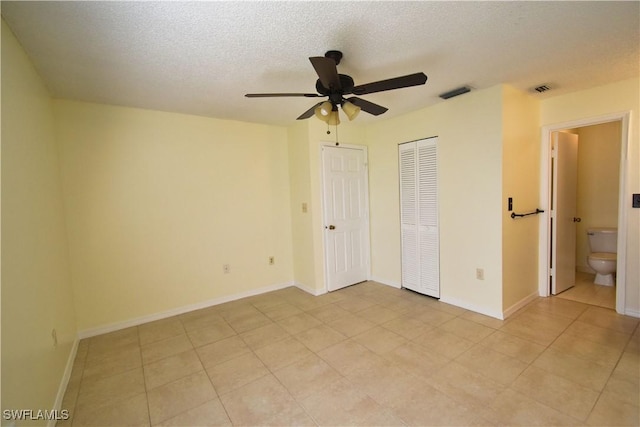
305 207
480 273
226 269
272 260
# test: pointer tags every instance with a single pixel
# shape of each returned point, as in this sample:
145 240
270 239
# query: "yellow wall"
598 182
36 289
301 222
305 141
521 181
157 202
469 128
601 101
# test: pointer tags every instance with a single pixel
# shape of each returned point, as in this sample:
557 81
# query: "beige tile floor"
366 355
589 293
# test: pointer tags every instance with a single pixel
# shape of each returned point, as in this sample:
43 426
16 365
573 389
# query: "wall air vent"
455 92
542 88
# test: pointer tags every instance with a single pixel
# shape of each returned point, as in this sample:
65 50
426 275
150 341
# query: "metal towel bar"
516 215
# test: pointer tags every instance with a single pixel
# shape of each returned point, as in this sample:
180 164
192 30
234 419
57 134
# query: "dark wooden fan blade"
310 112
271 95
367 106
390 84
327 71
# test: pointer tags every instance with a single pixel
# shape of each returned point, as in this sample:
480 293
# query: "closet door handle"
332 227
576 219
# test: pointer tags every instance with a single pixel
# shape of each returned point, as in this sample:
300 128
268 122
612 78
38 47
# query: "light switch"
304 207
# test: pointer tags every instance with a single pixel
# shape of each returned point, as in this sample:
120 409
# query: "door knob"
332 227
576 219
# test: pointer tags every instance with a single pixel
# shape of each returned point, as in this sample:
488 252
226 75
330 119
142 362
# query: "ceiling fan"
335 86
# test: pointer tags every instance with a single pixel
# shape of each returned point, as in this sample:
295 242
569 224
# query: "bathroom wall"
598 183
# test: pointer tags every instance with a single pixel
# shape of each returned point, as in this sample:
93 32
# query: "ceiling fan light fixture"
320 116
323 112
334 118
350 109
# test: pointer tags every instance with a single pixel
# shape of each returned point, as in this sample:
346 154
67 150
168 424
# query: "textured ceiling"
202 57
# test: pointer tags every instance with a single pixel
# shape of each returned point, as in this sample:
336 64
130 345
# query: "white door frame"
367 245
544 241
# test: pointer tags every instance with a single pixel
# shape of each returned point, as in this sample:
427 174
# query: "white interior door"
563 211
346 215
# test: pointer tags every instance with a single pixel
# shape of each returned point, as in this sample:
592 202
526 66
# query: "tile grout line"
204 369
144 377
613 370
600 392
336 303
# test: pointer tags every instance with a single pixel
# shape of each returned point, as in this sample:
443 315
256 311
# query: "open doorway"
596 207
594 187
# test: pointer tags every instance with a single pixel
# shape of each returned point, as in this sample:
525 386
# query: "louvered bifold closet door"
409 216
419 216
428 218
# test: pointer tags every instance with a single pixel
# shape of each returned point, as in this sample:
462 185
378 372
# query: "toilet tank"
603 239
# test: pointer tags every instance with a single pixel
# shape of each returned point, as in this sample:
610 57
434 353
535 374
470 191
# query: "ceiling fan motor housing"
336 55
335 94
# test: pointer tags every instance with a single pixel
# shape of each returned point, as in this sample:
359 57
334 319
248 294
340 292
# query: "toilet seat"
603 256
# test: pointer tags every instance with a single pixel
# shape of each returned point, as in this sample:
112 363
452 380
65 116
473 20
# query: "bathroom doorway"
601 173
597 182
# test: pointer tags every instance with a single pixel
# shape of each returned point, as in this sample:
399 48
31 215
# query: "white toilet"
603 245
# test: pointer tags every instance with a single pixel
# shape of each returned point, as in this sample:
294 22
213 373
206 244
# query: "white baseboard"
64 382
387 282
309 290
517 306
87 333
632 313
468 306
